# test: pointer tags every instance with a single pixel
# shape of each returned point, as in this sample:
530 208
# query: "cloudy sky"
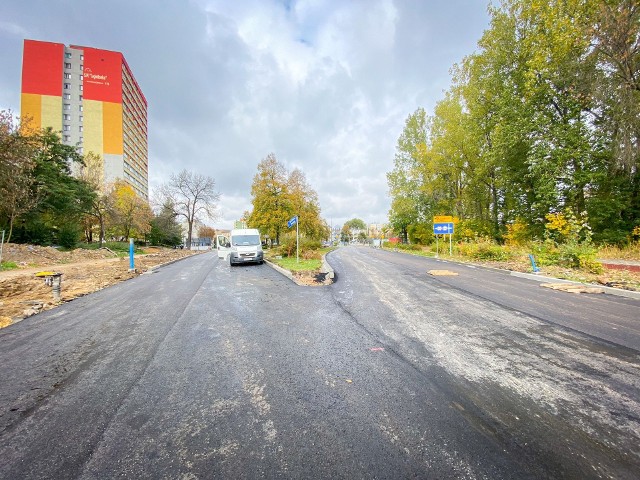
325 85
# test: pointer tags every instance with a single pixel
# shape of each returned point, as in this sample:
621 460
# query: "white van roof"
245 231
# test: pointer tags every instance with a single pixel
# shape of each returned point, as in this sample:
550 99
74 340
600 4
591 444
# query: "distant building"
91 97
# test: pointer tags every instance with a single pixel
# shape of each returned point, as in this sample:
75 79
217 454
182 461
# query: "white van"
242 246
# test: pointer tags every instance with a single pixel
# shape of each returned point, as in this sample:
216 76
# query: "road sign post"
443 228
290 224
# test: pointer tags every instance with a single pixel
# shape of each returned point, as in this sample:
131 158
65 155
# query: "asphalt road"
200 370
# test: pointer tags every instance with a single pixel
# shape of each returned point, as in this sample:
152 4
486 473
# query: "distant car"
181 246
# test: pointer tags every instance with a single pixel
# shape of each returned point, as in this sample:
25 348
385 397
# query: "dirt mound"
35 255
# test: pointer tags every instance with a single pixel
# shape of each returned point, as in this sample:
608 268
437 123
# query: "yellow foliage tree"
131 215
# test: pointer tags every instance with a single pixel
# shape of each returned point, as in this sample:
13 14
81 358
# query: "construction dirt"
23 294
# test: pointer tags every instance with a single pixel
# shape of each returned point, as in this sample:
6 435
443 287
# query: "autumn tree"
277 195
191 196
272 206
206 232
131 215
305 204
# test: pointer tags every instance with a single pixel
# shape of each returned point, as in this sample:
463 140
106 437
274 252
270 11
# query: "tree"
304 203
16 172
92 172
206 232
62 200
190 196
353 227
131 215
272 206
164 228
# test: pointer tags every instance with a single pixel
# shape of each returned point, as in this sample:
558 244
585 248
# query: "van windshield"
245 240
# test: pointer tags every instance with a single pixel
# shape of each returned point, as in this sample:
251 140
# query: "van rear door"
223 246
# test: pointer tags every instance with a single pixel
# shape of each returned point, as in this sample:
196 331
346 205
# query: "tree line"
52 194
543 120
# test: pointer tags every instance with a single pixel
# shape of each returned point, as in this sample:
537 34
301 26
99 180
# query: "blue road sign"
292 222
442 228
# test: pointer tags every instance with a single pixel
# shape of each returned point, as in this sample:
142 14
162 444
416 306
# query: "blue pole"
533 264
131 267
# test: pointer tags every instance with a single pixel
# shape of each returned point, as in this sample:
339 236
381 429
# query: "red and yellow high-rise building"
91 97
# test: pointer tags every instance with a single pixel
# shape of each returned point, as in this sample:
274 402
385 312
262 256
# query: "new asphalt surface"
201 370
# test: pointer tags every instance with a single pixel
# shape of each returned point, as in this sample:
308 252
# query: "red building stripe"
42 65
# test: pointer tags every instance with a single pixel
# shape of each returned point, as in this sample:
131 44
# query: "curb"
283 271
324 268
610 290
544 279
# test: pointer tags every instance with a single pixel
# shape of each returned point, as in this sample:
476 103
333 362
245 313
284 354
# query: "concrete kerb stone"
544 279
610 290
283 271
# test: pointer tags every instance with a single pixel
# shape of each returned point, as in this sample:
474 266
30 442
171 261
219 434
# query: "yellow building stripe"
93 141
52 112
112 128
31 110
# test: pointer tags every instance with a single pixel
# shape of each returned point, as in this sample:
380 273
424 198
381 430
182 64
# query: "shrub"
309 248
517 233
68 235
577 255
483 250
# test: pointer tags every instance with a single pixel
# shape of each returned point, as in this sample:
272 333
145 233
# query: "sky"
324 85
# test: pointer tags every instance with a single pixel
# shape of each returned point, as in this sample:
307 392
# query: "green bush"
68 235
484 250
579 255
408 247
8 265
570 255
309 248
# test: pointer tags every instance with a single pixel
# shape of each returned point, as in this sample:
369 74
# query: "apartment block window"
80 107
81 139
80 87
66 106
81 57
67 86
67 75
66 128
81 78
66 116
81 118
67 54
80 150
80 97
80 128
67 96
66 138
67 65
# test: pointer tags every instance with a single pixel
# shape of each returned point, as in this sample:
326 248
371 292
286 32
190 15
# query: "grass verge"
8 266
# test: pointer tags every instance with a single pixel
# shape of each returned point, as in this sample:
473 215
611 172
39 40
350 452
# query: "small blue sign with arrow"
292 222
442 228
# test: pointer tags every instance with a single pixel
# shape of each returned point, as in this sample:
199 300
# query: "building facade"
91 97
